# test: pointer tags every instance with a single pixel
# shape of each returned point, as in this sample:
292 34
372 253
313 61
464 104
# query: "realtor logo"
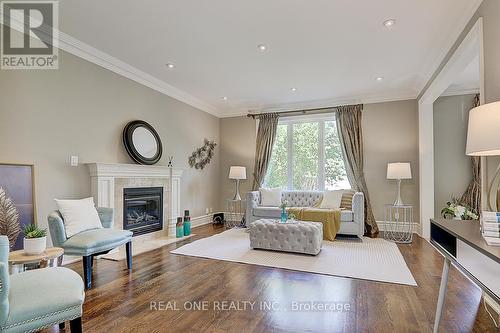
28 35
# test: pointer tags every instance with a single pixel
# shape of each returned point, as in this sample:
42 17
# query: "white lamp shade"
237 172
398 171
483 134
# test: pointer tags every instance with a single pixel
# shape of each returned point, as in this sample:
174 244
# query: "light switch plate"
74 161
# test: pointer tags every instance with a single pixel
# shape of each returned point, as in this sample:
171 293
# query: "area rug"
142 247
370 259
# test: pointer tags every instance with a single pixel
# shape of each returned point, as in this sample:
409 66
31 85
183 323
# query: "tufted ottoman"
299 237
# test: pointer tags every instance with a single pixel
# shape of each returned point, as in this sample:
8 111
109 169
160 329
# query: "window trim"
321 119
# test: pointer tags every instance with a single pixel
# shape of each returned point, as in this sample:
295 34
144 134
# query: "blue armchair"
32 300
90 243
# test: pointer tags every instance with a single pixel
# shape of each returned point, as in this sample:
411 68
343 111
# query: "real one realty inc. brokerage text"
227 305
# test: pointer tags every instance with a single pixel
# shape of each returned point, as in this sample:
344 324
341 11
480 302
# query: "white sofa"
351 220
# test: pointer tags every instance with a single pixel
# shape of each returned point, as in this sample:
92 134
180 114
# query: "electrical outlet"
207 210
74 161
211 210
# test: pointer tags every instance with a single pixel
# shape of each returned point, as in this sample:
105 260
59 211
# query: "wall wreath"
202 156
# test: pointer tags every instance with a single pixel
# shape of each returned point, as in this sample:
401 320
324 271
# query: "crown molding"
382 98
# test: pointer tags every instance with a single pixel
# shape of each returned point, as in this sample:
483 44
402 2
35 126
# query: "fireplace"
143 209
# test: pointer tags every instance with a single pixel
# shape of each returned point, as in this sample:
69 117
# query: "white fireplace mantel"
132 171
103 177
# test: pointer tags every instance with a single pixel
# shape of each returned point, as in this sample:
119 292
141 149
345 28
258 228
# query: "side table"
398 223
234 213
19 261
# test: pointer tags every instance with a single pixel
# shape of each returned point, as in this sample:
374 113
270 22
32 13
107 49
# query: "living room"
252 166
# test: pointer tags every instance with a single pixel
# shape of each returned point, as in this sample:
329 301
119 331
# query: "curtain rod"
302 112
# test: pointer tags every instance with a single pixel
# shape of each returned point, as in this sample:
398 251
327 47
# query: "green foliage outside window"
304 157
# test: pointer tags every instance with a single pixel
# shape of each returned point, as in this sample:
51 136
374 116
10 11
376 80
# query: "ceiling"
330 51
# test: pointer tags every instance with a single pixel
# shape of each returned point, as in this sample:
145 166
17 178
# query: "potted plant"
457 211
35 239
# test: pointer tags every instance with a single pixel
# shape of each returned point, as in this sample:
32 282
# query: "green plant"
32 231
454 209
9 218
284 204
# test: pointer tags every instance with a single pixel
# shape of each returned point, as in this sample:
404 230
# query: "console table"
461 243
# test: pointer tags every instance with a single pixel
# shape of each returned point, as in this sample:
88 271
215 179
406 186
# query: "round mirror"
145 142
142 142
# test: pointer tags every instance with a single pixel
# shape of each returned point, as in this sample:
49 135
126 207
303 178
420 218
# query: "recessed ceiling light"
262 47
170 65
380 78
224 98
389 23
293 89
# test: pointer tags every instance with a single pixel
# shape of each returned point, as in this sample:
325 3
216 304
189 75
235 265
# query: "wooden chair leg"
76 325
62 325
128 248
87 271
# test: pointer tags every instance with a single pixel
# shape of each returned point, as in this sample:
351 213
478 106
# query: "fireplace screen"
143 209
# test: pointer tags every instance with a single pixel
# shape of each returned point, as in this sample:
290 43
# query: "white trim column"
426 166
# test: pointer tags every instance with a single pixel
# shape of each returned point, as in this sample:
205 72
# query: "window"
307 155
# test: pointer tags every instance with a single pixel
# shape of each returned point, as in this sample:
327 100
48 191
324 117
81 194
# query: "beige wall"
390 135
452 168
237 148
81 109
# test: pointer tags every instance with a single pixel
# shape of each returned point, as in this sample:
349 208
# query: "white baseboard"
195 222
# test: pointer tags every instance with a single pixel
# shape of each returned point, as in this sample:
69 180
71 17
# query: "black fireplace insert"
143 209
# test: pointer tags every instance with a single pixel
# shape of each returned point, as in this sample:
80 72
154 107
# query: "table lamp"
398 171
483 134
238 173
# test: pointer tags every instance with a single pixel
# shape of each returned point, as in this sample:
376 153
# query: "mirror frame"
129 144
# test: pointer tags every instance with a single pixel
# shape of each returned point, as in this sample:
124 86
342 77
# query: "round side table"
19 261
235 213
398 223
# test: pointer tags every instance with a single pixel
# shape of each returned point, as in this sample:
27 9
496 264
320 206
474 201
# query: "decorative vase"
283 215
187 226
35 245
179 228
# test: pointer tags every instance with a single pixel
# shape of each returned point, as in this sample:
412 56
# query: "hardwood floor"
121 302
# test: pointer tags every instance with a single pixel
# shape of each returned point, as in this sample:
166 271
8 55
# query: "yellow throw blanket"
329 217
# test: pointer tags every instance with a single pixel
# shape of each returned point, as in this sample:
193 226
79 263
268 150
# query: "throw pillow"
270 197
346 202
78 215
331 199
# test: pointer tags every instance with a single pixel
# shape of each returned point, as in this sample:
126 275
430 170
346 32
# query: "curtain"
351 140
266 134
472 196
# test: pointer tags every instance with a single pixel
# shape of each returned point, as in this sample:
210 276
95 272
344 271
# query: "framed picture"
18 183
